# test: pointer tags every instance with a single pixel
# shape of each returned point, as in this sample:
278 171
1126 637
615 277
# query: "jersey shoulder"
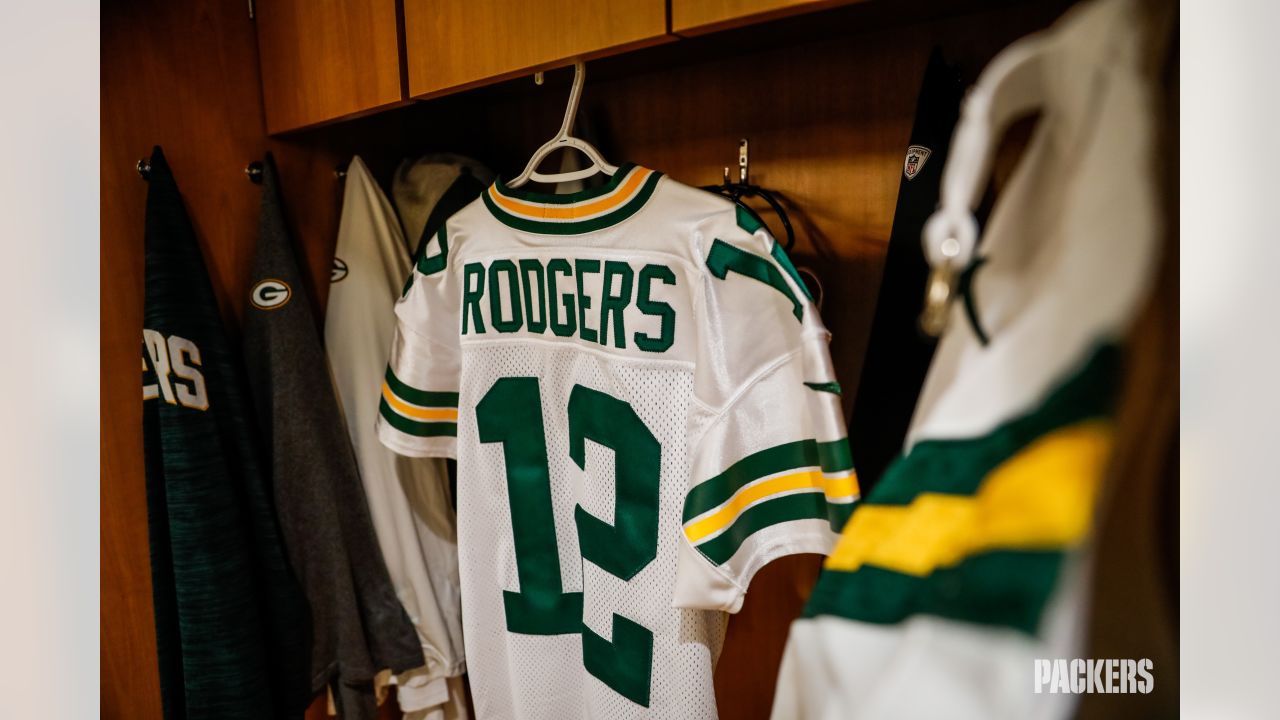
702 218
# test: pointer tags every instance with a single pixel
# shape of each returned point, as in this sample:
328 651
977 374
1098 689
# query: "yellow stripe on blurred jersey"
1041 498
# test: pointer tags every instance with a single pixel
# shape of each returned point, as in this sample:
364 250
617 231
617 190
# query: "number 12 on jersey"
511 413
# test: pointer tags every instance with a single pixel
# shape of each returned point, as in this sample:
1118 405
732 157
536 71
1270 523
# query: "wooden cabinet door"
694 17
327 59
454 44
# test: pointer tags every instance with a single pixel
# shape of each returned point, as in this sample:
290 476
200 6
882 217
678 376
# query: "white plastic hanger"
564 140
1011 87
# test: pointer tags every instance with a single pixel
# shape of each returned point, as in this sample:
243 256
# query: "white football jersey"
408 499
967 565
638 391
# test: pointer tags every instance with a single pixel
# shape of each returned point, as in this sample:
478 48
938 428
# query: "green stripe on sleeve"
958 467
801 506
713 492
839 513
414 427
422 398
834 456
1003 588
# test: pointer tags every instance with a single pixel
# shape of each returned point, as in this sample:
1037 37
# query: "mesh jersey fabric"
409 498
970 559
640 398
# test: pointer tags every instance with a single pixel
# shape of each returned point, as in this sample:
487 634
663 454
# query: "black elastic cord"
965 288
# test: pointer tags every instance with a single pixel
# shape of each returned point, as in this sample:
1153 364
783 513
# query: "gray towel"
359 626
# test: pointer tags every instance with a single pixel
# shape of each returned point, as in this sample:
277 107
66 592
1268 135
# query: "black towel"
231 622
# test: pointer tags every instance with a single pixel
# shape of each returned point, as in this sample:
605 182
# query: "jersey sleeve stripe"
724 515
800 506
999 588
999 512
416 412
423 398
779 458
837 479
414 427
835 456
1040 499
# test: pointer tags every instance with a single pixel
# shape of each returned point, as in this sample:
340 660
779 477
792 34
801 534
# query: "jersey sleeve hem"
703 586
813 536
422 689
402 444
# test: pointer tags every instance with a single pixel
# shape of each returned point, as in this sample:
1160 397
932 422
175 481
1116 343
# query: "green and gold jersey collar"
575 213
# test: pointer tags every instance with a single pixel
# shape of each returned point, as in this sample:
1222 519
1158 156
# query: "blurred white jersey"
639 394
408 498
969 560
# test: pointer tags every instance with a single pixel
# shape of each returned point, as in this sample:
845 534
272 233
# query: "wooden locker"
327 59
454 44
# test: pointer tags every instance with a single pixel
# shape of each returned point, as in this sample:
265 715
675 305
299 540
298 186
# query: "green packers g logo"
270 294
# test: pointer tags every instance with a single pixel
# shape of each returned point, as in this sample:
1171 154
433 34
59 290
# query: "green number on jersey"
724 258
511 413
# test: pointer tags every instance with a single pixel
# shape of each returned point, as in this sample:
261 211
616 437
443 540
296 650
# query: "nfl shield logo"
917 155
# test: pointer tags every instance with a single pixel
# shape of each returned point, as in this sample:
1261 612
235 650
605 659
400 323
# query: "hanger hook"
948 240
575 95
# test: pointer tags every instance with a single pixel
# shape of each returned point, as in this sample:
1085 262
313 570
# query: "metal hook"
253 171
938 293
144 169
744 189
948 239
340 173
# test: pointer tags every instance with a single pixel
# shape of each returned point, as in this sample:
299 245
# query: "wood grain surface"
461 43
325 59
184 76
695 17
